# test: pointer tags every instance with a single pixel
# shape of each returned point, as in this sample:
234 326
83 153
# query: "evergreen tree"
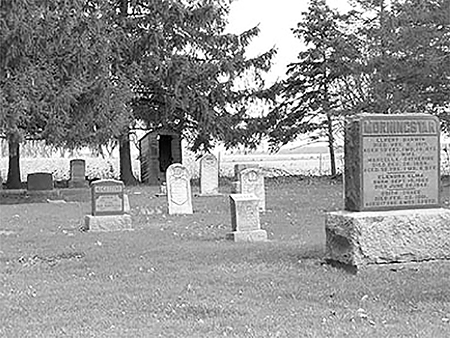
309 97
407 55
53 56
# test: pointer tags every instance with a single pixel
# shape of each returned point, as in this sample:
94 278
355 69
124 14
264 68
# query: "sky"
276 18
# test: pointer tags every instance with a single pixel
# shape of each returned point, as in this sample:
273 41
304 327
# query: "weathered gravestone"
209 175
179 195
392 193
245 224
252 182
108 207
39 181
236 185
78 174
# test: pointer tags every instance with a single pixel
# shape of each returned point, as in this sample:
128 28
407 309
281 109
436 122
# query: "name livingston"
398 127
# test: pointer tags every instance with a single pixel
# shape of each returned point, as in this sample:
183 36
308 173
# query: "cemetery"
333 255
182 169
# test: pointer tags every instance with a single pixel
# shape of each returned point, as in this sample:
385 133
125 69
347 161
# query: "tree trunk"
331 145
126 172
13 180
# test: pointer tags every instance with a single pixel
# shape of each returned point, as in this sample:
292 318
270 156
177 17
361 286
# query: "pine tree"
309 99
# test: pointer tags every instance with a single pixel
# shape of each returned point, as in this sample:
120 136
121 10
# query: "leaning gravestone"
78 174
39 181
209 175
245 224
392 193
252 182
108 207
179 195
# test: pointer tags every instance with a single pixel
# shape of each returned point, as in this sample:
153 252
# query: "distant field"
275 165
284 164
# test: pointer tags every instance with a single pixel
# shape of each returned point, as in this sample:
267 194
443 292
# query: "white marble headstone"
179 195
209 175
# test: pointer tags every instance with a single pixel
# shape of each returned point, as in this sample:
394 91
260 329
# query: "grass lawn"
176 276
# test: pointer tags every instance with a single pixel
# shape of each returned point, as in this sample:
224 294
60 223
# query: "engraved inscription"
108 189
108 203
179 191
400 163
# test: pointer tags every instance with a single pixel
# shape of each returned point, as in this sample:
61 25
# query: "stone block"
392 162
39 181
247 236
107 223
361 238
244 212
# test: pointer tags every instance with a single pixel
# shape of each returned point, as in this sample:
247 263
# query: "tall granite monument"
392 193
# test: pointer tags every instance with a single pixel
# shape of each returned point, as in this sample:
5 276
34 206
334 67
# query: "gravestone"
78 174
245 223
209 175
252 182
39 181
392 193
179 196
392 162
108 207
236 185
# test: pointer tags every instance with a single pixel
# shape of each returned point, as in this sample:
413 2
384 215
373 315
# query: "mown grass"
176 276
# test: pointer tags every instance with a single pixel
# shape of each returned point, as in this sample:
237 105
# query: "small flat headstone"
209 175
179 195
39 181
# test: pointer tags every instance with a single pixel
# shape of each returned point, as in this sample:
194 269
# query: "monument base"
107 223
213 194
361 238
247 236
78 184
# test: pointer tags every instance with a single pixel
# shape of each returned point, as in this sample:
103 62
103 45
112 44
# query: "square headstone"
245 222
109 205
392 162
107 198
252 182
209 175
39 181
179 195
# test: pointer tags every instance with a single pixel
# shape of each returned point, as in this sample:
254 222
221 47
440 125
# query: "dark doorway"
165 152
